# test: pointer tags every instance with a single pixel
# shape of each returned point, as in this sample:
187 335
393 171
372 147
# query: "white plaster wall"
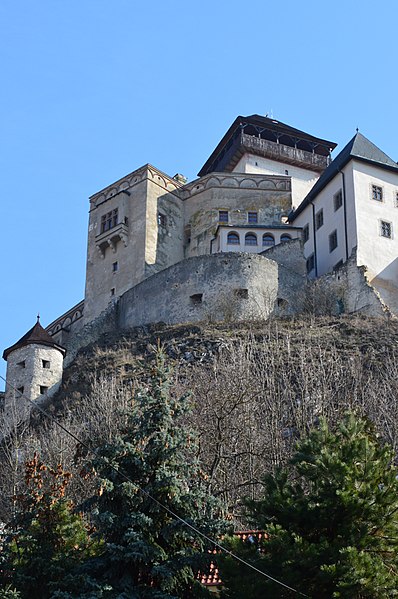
379 254
33 374
332 220
302 179
221 242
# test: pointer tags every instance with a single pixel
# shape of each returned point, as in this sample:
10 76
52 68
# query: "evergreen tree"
47 543
332 521
150 553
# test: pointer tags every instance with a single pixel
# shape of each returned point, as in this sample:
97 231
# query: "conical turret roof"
36 335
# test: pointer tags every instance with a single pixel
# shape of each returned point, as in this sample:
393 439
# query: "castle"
269 211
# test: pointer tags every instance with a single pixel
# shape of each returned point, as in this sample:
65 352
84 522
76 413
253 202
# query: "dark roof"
36 335
358 148
263 122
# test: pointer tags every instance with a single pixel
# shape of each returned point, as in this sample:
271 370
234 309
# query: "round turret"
34 366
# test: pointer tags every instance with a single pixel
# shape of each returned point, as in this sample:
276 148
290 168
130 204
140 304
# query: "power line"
164 507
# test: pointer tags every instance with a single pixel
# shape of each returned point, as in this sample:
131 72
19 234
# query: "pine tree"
332 521
150 553
47 543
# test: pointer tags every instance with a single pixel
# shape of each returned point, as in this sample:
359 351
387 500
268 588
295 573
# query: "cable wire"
164 507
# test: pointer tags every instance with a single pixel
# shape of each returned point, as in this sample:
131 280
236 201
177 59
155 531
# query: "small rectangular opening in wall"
21 364
115 267
43 390
21 390
45 363
242 293
196 298
112 291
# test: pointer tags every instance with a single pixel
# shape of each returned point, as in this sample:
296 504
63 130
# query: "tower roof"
36 335
233 144
358 148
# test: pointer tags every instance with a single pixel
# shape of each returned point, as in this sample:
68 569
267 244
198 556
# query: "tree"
149 552
331 520
47 543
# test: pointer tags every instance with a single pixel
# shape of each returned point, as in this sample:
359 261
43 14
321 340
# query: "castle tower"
34 366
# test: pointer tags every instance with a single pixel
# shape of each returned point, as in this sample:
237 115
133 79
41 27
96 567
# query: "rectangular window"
386 229
319 219
223 216
162 219
115 267
332 241
338 265
43 390
112 291
396 199
306 233
109 220
310 263
377 193
338 200
196 298
45 363
252 217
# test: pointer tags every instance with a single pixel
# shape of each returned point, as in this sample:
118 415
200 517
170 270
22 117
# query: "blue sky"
93 89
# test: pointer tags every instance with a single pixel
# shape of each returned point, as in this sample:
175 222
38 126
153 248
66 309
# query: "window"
196 298
21 390
286 172
332 241
162 219
21 364
252 217
115 267
223 216
268 240
310 263
43 390
250 239
338 265
233 239
285 237
377 193
45 363
113 291
338 200
386 229
109 220
306 233
396 199
242 293
319 219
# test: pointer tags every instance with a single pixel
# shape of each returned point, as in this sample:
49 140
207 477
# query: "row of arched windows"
251 239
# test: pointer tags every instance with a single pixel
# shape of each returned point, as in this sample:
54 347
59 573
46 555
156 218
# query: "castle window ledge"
111 237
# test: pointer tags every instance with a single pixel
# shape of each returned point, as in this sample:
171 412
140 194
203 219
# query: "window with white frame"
377 193
268 240
250 239
233 238
338 200
310 264
319 219
333 241
386 229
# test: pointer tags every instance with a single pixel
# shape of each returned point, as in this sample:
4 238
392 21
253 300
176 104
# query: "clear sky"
93 89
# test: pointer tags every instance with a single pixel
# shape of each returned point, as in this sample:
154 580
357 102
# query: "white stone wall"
302 179
25 369
333 220
221 244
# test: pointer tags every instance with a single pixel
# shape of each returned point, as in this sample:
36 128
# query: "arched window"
250 239
233 239
268 240
285 237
